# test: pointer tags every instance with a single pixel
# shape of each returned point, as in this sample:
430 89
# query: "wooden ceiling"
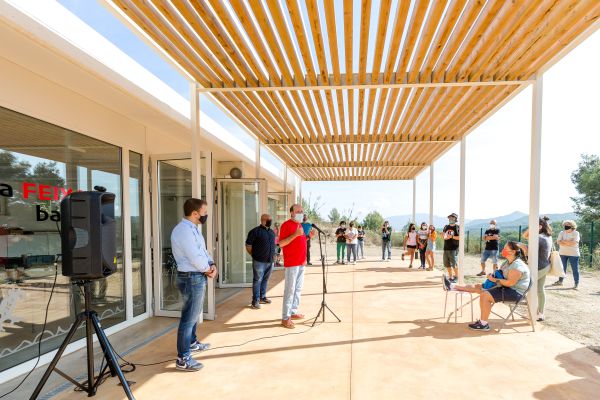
361 90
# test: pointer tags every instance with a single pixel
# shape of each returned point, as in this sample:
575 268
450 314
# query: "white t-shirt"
412 238
423 234
352 236
569 250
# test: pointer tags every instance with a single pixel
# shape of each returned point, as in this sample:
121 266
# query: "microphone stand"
323 302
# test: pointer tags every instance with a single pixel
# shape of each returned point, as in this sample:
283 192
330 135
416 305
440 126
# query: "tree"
311 209
587 182
373 221
334 216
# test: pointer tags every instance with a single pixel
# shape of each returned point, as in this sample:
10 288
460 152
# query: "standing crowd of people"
266 243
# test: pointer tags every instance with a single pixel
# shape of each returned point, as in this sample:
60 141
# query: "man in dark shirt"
386 241
260 244
451 237
491 237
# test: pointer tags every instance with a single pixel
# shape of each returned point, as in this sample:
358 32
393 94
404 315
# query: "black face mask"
568 227
268 223
203 219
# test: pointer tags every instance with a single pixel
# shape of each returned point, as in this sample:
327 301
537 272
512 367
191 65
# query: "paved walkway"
392 343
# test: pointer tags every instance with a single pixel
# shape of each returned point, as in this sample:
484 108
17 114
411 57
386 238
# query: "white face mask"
492 226
299 217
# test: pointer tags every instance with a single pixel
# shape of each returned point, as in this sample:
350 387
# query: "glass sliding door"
240 206
172 188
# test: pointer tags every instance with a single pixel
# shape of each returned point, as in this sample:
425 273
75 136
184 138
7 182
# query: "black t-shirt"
341 239
451 244
386 234
262 240
492 244
361 232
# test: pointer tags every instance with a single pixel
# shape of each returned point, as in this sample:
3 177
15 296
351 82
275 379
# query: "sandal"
297 316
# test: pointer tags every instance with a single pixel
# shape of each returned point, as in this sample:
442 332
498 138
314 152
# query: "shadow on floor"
405 285
576 363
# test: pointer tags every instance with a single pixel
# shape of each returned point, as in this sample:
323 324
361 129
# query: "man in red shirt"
293 242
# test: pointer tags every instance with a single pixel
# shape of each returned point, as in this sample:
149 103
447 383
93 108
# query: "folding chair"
523 300
456 308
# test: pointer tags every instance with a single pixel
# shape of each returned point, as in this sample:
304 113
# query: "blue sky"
497 151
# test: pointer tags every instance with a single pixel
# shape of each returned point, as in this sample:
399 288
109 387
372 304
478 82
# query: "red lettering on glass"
65 192
28 188
44 192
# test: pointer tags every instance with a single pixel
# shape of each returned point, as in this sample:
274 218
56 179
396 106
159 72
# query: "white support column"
414 203
257 161
210 231
300 190
534 189
431 194
461 211
195 132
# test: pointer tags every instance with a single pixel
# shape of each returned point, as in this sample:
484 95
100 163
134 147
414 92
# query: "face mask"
492 226
299 217
568 227
423 227
268 223
505 253
343 226
452 220
203 219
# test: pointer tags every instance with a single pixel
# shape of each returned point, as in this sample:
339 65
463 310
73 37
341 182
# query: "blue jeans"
260 279
386 245
574 260
360 250
294 279
351 251
192 286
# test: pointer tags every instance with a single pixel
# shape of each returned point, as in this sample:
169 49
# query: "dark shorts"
411 247
505 294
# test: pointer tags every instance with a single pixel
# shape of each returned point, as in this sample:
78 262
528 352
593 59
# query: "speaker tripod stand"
92 324
324 305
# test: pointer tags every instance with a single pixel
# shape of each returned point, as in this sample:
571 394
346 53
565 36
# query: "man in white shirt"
351 242
194 267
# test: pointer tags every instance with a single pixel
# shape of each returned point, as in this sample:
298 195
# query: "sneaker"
575 287
197 346
540 317
354 263
557 283
447 283
265 300
410 266
478 326
402 257
308 263
188 364
454 280
482 273
255 305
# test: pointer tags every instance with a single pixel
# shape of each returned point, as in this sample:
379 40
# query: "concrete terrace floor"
392 343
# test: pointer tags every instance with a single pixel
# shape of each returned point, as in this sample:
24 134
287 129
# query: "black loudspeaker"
88 235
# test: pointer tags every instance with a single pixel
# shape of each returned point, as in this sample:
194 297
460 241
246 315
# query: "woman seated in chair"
510 289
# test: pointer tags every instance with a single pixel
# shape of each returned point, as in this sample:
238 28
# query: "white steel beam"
414 200
461 212
195 131
431 194
534 189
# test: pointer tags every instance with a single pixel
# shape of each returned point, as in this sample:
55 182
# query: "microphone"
318 229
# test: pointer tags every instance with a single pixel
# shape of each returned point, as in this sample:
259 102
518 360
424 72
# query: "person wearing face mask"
410 243
340 234
510 288
260 244
568 240
293 242
430 254
544 249
491 238
386 241
451 237
422 236
194 267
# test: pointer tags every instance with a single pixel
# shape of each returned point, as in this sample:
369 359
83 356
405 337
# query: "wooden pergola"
361 90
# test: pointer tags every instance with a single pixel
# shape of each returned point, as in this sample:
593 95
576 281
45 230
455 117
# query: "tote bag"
556 266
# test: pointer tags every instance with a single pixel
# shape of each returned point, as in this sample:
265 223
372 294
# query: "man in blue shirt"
260 244
308 232
194 267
